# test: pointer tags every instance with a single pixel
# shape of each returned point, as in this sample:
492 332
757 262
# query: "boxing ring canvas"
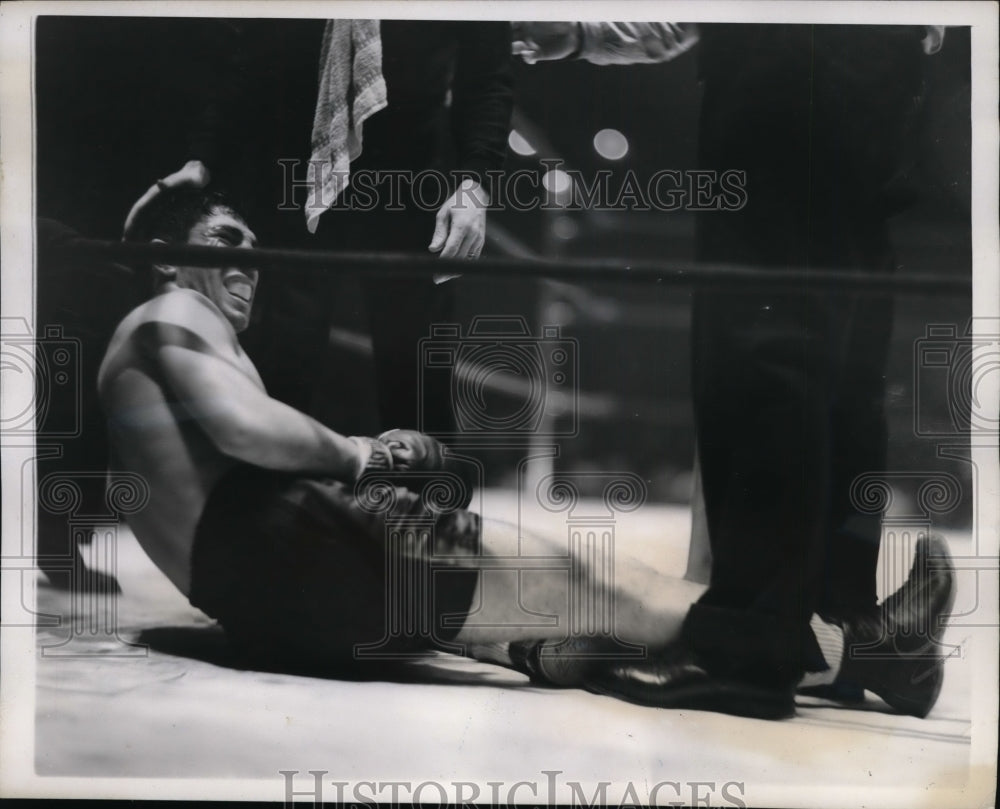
137 694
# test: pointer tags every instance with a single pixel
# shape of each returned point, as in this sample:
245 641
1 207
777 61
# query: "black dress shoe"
897 654
677 678
903 670
916 609
928 594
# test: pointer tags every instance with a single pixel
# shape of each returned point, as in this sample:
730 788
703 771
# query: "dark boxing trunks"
300 571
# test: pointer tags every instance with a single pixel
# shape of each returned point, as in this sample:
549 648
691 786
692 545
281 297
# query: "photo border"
17 644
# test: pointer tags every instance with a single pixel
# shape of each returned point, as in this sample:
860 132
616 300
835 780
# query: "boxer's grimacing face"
230 289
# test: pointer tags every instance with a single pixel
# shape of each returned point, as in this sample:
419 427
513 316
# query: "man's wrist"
373 455
472 180
474 190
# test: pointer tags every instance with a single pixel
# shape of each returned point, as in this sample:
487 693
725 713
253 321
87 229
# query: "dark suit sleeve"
482 96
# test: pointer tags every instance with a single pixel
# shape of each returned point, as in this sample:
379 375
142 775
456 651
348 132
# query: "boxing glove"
413 451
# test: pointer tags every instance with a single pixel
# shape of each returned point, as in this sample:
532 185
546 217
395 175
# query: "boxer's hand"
413 451
539 41
374 456
460 224
193 174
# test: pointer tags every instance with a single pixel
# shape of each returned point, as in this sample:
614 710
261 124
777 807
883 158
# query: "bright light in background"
611 144
560 185
519 145
565 227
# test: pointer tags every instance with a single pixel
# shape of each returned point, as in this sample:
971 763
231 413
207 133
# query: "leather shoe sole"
678 680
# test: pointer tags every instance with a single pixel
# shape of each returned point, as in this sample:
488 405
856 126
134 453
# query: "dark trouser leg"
789 402
762 383
780 437
858 427
402 313
860 447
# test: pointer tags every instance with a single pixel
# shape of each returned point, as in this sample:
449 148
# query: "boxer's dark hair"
170 216
172 213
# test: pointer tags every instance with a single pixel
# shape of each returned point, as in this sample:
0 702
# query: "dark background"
115 98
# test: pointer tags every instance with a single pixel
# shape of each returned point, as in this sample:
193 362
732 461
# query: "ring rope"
689 275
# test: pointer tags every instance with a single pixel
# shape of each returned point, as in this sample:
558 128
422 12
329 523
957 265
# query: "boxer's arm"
193 174
190 350
630 43
243 422
604 43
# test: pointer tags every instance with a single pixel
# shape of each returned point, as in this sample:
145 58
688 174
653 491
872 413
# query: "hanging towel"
351 89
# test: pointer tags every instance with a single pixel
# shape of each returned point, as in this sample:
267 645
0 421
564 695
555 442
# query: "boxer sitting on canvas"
260 516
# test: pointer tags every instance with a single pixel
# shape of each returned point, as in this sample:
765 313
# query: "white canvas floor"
165 711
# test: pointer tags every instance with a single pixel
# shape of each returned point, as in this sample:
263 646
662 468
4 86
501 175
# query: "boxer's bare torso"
157 427
185 404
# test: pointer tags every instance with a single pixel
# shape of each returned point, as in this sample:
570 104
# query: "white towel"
351 88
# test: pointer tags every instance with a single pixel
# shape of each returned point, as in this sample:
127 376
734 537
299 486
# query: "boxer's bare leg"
525 603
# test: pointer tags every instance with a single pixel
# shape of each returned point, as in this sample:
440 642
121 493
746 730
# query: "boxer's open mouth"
239 287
